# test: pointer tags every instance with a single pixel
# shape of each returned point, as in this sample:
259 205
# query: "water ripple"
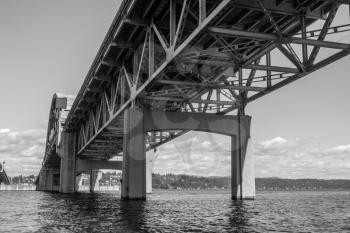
176 211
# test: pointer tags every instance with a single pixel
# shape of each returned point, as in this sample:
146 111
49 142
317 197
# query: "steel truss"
205 56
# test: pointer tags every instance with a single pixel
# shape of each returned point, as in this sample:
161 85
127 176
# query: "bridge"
168 67
3 176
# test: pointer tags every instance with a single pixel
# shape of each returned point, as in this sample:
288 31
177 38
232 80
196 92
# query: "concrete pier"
242 169
49 180
134 156
67 152
95 176
149 169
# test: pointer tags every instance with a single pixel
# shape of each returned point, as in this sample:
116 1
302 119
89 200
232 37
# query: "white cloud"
201 154
208 154
22 151
337 150
301 158
195 153
4 130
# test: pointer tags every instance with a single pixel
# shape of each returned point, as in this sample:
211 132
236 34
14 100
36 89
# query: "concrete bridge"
168 67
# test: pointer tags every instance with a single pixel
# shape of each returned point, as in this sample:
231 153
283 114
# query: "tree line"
172 181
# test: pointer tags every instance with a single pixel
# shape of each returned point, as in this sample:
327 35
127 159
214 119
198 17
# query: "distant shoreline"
192 183
258 190
194 190
115 188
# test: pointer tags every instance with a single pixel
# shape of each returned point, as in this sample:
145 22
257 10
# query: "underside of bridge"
168 67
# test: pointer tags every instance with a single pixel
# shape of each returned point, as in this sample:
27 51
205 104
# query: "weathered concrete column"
134 156
48 180
150 156
242 166
78 182
94 179
67 152
42 185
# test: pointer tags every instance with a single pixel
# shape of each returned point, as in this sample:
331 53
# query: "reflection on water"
175 211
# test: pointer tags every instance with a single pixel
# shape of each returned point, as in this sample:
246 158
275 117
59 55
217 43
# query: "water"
175 211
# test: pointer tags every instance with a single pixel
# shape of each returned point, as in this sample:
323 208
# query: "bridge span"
167 67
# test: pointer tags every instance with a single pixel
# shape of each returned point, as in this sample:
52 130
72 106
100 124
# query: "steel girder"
60 106
199 56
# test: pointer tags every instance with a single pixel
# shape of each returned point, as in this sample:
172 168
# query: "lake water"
175 211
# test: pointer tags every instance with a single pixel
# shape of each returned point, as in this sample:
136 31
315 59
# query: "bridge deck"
205 56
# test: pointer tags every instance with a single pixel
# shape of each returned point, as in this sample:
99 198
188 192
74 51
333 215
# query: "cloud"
201 154
342 150
195 153
22 151
301 158
4 130
210 155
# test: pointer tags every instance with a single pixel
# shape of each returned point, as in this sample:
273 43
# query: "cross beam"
276 38
211 85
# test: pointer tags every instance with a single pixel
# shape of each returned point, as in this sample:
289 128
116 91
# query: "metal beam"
245 66
136 20
104 78
202 10
159 98
211 85
283 8
271 68
123 44
323 33
289 80
217 12
292 57
276 38
347 2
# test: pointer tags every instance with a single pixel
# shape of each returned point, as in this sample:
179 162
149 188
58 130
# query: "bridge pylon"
67 152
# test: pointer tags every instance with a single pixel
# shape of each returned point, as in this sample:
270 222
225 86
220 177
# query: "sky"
46 46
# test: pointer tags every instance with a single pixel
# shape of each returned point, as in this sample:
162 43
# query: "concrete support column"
242 167
42 185
94 179
149 169
248 171
67 152
78 182
48 180
134 156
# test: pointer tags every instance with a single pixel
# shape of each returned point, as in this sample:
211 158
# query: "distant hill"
171 181
300 184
